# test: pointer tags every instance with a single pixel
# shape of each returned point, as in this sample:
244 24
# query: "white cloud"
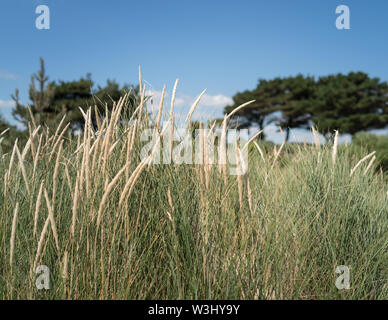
7 104
209 107
184 100
217 101
7 75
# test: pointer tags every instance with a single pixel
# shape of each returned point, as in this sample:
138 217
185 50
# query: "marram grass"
111 226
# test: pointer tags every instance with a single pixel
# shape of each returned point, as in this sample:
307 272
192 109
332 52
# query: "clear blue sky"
224 46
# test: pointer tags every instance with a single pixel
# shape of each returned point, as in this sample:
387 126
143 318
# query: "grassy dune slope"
112 227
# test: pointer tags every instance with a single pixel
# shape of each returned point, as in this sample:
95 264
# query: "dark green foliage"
350 103
284 101
41 98
69 96
294 101
54 99
266 97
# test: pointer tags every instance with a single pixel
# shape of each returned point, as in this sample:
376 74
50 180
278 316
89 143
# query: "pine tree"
51 100
294 101
41 96
265 96
284 101
350 103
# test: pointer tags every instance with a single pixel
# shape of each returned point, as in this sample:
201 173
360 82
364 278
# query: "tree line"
349 103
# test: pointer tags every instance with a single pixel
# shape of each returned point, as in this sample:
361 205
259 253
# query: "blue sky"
224 46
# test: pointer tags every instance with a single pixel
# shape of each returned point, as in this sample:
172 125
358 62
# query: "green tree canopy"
293 102
51 100
350 103
265 96
284 101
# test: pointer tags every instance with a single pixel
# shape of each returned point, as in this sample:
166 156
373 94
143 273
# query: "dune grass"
111 226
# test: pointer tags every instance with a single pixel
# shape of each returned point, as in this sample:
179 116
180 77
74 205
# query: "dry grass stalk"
47 135
58 140
206 158
361 161
172 133
5 184
106 142
37 207
160 111
156 146
37 156
316 137
251 139
22 167
192 109
32 116
87 160
29 142
335 146
84 116
98 148
5 131
260 151
68 179
64 265
132 180
75 206
142 103
277 153
84 175
113 146
56 171
97 117
222 150
170 199
140 80
222 155
60 125
117 112
108 189
13 233
12 157
239 108
173 97
78 154
201 154
52 219
249 192
369 164
41 241
238 176
130 143
33 150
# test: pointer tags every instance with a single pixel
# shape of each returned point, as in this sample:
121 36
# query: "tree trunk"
287 133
